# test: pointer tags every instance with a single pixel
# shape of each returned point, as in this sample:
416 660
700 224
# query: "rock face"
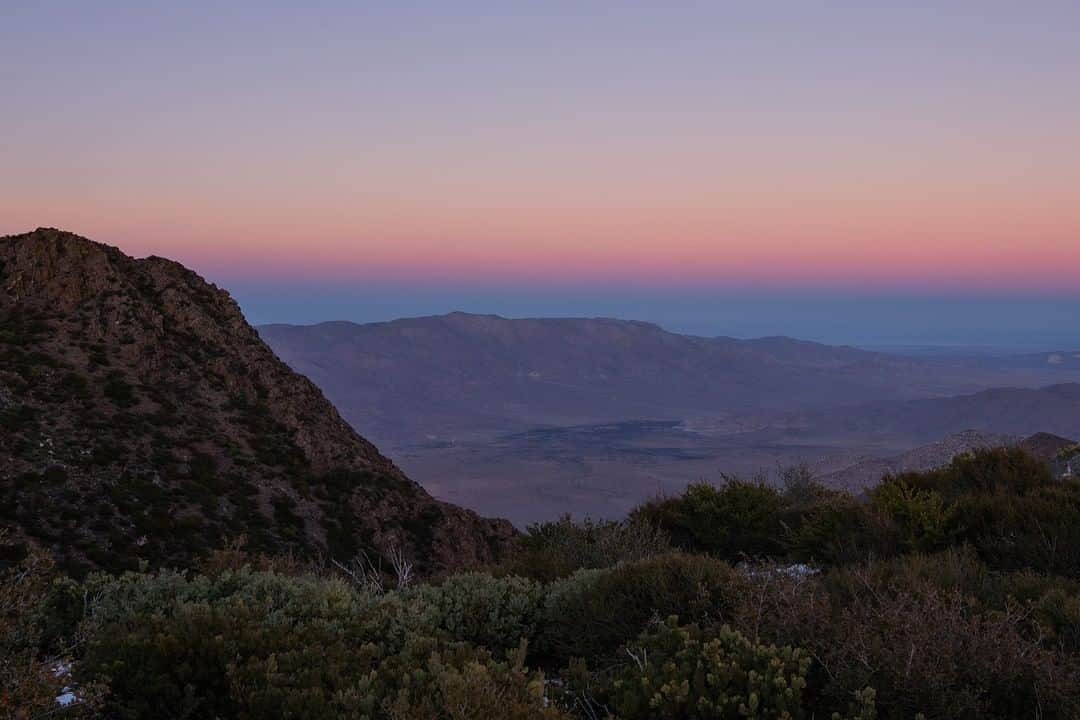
143 419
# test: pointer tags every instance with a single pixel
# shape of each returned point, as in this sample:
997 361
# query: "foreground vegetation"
948 594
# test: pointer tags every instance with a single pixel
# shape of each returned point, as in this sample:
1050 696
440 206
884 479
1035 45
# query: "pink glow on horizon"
959 227
948 260
888 145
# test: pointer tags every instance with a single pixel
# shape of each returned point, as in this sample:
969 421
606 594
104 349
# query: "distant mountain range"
530 418
142 419
460 377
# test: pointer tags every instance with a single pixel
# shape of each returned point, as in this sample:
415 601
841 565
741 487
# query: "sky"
856 172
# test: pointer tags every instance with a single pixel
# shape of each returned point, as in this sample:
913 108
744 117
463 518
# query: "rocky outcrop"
142 418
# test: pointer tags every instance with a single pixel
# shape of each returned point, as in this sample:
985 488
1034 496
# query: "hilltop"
143 419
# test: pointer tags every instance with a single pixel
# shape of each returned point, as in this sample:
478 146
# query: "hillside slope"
142 418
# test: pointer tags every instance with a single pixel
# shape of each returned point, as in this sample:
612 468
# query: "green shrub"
916 631
260 645
1002 502
497 613
249 644
280 597
433 681
27 683
119 391
996 470
919 517
75 385
840 530
1053 603
1037 530
683 671
734 521
1068 452
593 612
555 549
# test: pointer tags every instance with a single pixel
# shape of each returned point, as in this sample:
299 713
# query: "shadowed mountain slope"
141 418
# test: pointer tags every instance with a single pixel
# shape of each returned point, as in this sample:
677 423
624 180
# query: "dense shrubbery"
681 671
734 521
678 671
951 594
1002 502
27 682
940 635
497 613
262 645
552 550
591 613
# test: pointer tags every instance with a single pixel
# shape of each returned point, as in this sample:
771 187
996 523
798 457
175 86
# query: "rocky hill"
142 419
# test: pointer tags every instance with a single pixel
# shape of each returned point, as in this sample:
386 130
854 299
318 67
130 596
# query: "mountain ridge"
462 376
136 388
530 418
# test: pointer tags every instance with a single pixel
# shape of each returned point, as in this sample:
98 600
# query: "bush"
119 391
684 671
679 672
989 471
839 530
1053 603
1069 452
280 598
593 612
919 518
497 613
915 630
166 644
553 550
429 681
28 687
989 627
246 644
1002 502
737 520
1037 530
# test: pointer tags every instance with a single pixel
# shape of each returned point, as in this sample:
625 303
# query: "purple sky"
860 172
